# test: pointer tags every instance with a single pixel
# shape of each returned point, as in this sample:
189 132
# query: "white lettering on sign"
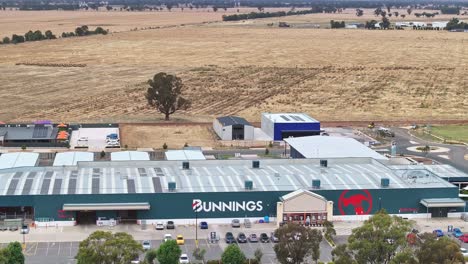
233 206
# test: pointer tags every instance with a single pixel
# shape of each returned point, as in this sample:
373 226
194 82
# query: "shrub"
164 145
103 154
23 147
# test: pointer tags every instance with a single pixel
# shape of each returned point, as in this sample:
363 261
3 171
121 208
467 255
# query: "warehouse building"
29 135
72 158
233 128
285 125
329 147
18 159
217 191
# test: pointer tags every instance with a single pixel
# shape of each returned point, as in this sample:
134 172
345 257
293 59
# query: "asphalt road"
64 252
456 153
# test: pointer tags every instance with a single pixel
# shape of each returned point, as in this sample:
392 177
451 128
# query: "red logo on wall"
356 201
64 214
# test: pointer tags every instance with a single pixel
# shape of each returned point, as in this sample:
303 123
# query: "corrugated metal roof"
18 159
290 118
233 120
211 176
29 133
72 158
184 155
129 155
314 147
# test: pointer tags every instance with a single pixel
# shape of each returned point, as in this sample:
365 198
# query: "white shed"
72 158
184 155
18 159
233 128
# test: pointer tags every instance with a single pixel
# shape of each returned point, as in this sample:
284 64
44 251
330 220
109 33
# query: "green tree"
165 94
258 254
409 10
151 255
233 255
14 253
342 255
100 30
199 254
330 231
105 247
215 9
103 154
296 242
385 24
6 40
442 250
359 12
169 252
379 240
49 35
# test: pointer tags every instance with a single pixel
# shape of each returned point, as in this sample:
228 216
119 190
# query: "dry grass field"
230 68
174 136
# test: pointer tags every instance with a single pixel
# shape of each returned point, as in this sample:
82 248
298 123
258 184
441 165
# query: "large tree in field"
380 240
169 252
233 255
165 94
104 247
296 243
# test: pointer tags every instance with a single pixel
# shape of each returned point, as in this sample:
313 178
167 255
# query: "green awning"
106 206
443 202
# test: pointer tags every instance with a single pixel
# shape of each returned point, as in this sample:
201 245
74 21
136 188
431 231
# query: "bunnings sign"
230 206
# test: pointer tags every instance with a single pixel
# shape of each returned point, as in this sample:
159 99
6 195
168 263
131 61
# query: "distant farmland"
241 68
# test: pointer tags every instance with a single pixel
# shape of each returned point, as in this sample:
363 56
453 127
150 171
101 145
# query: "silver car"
235 223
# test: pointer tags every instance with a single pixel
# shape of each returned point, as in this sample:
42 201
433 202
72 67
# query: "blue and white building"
284 125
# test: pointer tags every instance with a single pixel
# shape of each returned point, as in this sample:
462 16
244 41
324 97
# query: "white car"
167 237
184 259
146 245
136 261
159 226
464 251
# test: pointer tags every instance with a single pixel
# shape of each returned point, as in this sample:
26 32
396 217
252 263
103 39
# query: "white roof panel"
18 159
129 155
331 147
184 155
290 118
72 158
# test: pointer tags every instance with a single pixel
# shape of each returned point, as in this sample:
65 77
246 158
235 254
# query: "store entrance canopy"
443 202
106 206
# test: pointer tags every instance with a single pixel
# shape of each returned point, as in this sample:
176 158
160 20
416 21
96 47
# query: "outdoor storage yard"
231 68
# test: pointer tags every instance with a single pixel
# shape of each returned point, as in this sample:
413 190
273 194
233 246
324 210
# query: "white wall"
268 126
224 133
54 224
217 221
249 133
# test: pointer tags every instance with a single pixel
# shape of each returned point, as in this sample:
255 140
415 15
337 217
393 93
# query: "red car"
464 238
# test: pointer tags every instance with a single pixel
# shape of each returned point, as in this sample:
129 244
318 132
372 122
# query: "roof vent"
315 184
248 185
255 164
185 165
385 182
171 186
324 163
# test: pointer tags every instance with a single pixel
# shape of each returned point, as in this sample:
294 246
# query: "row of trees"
337 24
255 15
455 24
391 239
38 36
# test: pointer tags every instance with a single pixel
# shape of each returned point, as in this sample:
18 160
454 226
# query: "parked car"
274 238
3 228
264 238
463 238
230 238
159 226
438 233
203 225
24 229
184 259
180 240
241 238
13 228
146 245
457 232
464 251
170 225
247 223
235 223
167 237
253 238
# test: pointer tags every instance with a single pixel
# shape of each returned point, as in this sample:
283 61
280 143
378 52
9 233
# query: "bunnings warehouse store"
287 190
